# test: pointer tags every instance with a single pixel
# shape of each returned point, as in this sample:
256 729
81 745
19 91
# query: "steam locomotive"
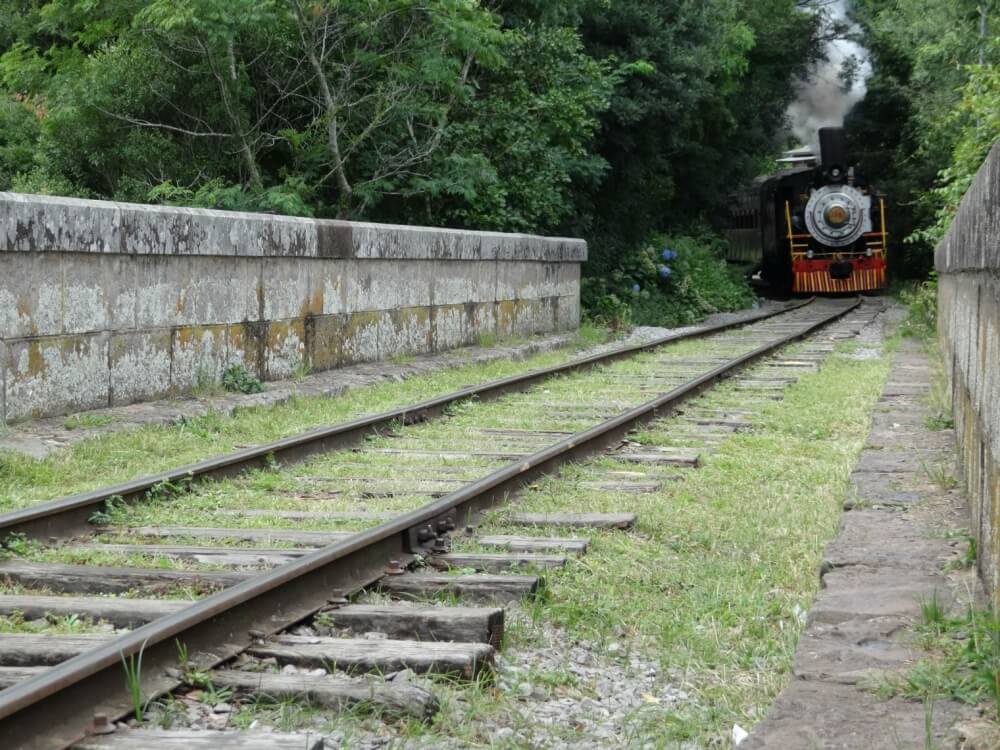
812 227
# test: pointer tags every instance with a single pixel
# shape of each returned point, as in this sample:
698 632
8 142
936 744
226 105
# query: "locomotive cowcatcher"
812 227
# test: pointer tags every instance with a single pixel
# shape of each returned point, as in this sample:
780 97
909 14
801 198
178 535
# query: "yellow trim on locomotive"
820 281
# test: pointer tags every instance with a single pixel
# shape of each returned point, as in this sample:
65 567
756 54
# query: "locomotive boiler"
812 227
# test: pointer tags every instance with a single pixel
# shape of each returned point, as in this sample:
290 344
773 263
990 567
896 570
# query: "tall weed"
921 309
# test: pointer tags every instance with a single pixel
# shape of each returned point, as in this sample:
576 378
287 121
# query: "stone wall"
968 261
110 303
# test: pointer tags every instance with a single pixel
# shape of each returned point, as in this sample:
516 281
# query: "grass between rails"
123 455
714 581
297 488
717 577
713 584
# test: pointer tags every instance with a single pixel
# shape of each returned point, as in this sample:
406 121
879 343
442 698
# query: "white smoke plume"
822 100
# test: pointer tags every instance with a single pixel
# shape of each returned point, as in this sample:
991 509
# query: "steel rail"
67 516
53 709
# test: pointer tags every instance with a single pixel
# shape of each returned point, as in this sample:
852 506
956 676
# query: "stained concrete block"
972 241
159 288
180 291
286 289
521 247
245 344
517 317
32 223
325 341
220 290
568 313
198 356
518 281
458 283
404 331
481 319
559 279
331 280
56 375
285 349
99 292
3 382
30 295
448 327
361 337
390 285
47 223
391 241
544 320
140 366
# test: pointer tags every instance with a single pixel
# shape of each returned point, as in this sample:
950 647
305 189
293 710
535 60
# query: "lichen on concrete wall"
968 261
108 303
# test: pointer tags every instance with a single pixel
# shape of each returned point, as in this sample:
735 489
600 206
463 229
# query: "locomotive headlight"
836 215
810 253
868 252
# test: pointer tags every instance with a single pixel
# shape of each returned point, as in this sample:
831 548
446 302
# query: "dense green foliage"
612 121
931 112
669 281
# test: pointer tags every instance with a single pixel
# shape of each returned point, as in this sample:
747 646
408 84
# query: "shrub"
671 280
921 309
236 379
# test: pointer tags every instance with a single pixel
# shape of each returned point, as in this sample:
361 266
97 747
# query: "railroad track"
288 543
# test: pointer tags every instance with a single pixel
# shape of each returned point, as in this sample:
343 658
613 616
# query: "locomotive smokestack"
833 153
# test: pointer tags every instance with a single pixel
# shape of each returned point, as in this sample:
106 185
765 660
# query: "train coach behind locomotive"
812 228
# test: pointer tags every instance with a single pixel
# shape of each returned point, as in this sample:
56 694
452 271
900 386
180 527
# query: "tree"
917 111
386 76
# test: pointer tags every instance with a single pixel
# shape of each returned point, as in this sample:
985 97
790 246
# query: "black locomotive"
812 227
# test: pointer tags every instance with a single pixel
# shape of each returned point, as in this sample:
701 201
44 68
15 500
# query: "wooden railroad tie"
358 655
481 588
396 699
190 739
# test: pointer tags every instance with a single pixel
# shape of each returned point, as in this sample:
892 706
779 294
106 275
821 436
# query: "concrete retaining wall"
968 261
110 303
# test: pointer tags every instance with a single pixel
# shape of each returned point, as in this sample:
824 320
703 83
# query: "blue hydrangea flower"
665 272
636 287
668 254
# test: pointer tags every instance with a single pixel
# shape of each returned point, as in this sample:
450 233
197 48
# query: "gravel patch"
557 693
614 689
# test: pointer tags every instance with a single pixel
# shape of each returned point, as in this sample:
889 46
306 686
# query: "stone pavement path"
892 554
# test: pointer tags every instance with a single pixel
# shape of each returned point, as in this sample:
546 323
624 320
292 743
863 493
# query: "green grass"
77 421
713 583
589 334
921 309
721 568
132 664
964 661
120 456
487 340
15 622
939 397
